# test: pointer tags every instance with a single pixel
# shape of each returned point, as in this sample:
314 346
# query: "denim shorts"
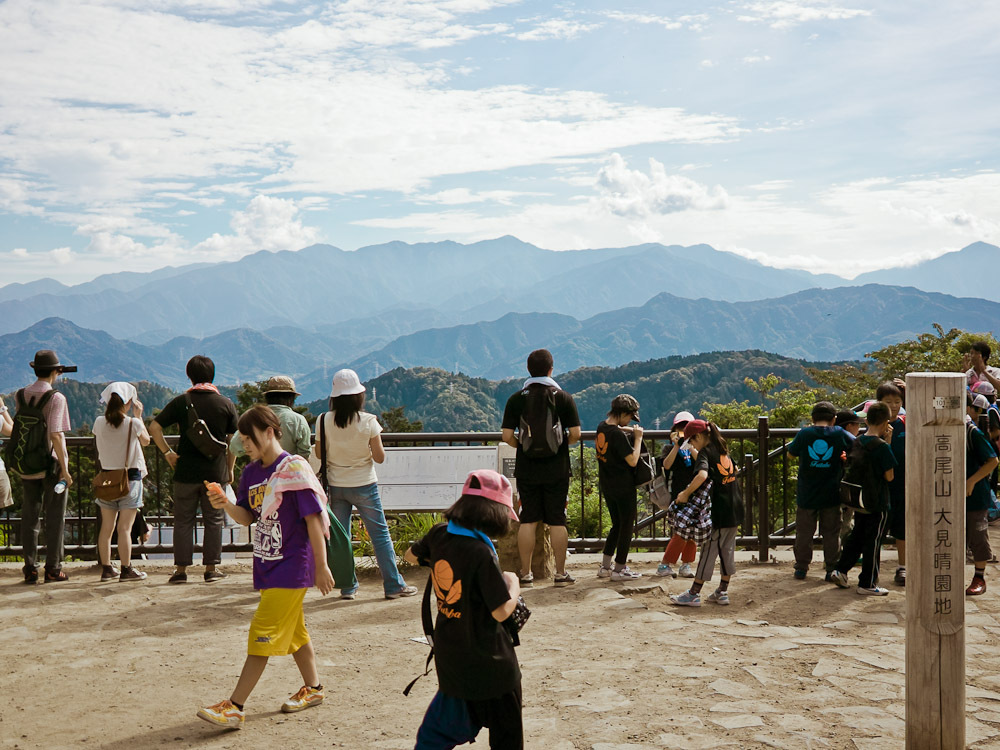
132 500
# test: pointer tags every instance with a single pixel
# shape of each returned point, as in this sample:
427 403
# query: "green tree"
394 420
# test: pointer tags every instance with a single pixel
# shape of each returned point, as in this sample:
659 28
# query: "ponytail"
115 411
716 439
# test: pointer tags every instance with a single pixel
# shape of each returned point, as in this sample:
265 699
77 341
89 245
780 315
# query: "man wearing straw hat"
296 437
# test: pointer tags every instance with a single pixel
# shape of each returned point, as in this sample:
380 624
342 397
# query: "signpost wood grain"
935 552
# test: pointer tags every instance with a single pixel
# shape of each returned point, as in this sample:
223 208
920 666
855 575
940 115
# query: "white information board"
422 480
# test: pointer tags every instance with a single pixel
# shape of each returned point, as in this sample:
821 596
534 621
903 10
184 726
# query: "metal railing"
766 473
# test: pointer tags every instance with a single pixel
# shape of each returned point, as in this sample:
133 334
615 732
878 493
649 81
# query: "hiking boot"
685 571
800 575
108 573
687 599
527 579
55 576
900 578
625 574
405 591
663 570
835 576
719 597
211 576
131 574
873 591
305 698
564 579
223 714
603 572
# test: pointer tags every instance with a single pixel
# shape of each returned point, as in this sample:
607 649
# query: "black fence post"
764 514
748 495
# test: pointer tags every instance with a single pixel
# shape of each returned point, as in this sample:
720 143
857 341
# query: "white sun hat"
346 383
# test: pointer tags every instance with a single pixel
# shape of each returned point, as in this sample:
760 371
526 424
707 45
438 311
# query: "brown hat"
46 359
280 384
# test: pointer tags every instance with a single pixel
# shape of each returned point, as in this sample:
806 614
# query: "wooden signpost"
935 557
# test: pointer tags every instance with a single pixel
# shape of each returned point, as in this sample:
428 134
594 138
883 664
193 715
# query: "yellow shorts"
278 626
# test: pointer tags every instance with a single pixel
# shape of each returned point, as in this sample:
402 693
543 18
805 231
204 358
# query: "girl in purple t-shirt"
281 496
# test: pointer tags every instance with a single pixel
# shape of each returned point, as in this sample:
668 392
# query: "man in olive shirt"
192 468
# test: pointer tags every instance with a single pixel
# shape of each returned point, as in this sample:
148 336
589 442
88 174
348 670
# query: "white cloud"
706 64
62 255
784 14
632 193
266 224
19 252
643 18
461 196
555 28
753 59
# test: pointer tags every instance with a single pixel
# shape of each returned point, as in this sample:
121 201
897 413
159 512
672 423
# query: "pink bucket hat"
492 486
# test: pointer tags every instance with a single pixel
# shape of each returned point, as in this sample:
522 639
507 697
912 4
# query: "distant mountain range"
819 324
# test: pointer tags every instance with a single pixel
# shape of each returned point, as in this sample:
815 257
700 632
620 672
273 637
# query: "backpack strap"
428 622
41 403
322 449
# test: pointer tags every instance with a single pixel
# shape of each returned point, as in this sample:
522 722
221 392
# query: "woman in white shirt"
120 440
353 447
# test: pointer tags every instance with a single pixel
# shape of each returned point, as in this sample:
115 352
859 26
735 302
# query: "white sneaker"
873 591
665 571
603 572
625 574
685 571
719 597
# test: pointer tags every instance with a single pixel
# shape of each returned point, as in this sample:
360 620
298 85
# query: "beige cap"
281 384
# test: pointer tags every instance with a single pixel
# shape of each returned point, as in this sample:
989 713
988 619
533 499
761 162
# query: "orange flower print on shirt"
726 469
601 446
447 589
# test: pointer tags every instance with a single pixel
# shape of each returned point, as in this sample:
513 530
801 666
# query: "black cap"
847 417
824 411
46 359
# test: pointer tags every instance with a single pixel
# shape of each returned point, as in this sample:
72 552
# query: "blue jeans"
369 504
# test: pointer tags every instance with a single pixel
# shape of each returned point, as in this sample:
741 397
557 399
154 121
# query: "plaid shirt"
693 520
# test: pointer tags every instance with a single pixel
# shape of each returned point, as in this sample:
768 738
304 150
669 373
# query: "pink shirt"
56 411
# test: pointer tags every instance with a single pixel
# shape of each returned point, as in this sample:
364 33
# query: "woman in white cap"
120 440
679 459
351 439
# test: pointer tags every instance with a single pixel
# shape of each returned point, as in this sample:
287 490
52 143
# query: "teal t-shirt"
978 451
820 450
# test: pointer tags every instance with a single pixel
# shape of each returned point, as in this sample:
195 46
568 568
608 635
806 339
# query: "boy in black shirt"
479 680
819 448
865 539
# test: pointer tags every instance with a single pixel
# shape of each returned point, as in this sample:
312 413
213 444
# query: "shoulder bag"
200 436
112 484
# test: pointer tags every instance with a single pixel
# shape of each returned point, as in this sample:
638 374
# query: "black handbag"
200 436
642 472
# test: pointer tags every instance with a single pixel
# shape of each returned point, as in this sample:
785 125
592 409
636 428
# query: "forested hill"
448 402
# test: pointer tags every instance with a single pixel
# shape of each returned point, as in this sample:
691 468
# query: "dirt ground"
790 664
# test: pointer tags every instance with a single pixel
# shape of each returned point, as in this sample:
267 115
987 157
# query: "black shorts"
543 502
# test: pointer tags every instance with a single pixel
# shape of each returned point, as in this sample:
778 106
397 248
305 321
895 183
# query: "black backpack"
541 431
29 450
860 488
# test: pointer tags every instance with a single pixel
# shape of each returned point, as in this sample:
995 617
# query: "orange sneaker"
223 714
305 698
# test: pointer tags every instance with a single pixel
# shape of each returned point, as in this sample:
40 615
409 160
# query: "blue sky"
835 136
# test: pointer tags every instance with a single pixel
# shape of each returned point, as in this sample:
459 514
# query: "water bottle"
60 487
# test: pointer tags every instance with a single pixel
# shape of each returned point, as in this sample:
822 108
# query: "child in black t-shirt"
715 465
678 466
479 680
865 539
617 454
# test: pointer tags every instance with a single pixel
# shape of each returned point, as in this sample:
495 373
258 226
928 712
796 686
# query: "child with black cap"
819 448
